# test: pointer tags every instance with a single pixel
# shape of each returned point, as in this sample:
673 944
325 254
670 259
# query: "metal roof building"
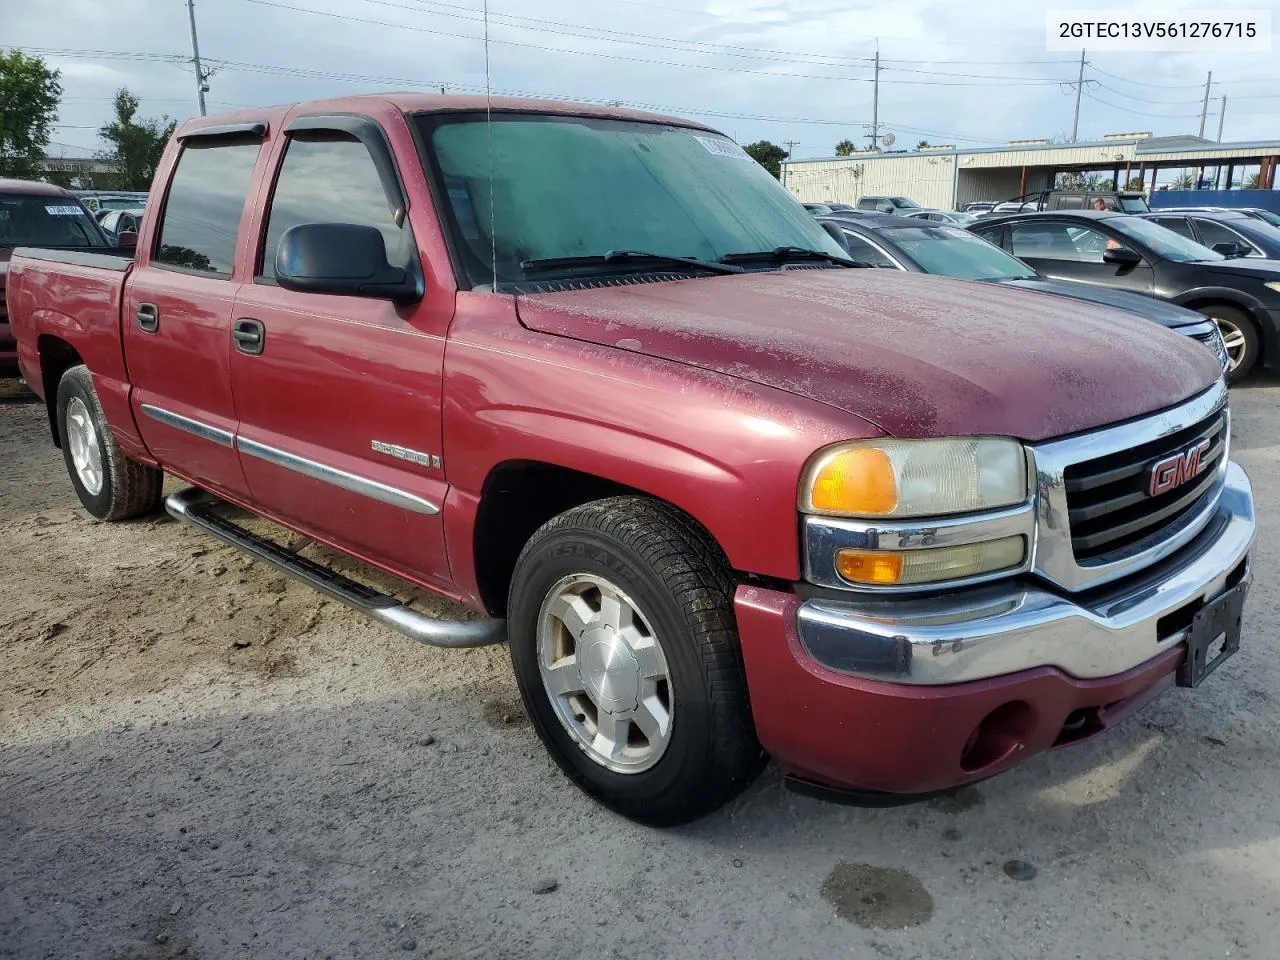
947 178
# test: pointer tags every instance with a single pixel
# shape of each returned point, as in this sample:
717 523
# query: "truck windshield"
1134 205
545 187
46 221
953 252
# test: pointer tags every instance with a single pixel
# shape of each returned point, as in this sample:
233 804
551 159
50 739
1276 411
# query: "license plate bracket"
1215 635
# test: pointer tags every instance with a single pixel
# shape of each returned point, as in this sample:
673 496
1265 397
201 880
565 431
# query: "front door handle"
148 317
250 336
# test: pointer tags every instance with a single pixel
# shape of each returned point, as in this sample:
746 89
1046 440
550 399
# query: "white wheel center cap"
609 671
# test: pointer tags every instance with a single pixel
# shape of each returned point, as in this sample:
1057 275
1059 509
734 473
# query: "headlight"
1273 285
915 478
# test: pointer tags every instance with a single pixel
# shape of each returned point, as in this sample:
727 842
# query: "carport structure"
949 177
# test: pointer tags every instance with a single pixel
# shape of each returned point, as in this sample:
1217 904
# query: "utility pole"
1204 110
1222 116
1075 123
791 149
875 102
201 85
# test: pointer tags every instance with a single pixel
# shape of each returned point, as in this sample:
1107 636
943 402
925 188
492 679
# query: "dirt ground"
201 759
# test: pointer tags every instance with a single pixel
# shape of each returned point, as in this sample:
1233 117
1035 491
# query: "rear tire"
624 607
109 484
1241 336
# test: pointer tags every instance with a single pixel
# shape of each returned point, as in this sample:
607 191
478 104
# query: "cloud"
685 55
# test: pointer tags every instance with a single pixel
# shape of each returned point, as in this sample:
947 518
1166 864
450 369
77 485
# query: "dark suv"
889 204
1101 200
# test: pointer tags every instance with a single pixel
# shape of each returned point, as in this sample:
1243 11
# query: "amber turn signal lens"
869 566
858 480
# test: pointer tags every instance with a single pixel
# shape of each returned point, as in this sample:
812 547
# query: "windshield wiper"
780 254
621 256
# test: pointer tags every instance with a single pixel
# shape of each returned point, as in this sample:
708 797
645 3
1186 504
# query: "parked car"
1258 213
117 222
898 205
980 206
1126 201
723 494
1229 233
907 244
819 209
98 201
1131 253
953 217
34 214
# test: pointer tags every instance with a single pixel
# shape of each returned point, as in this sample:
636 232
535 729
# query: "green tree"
1135 183
29 96
768 155
136 144
1252 182
922 144
1186 180
846 148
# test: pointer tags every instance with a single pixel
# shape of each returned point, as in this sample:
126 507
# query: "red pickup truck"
595 375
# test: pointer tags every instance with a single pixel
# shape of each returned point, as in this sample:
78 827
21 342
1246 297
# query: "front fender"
726 451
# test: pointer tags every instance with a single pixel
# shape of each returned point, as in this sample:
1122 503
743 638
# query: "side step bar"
199 508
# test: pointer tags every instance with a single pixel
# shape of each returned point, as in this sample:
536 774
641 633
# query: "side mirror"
1121 257
127 240
1230 248
341 258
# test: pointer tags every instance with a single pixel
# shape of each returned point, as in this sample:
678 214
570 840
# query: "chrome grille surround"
1054 558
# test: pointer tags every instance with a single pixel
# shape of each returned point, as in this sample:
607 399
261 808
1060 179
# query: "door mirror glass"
1121 256
341 258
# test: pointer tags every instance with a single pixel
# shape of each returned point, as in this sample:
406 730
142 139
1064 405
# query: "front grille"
1108 500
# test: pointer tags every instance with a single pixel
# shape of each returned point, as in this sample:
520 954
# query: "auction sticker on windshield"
63 211
1184 30
723 148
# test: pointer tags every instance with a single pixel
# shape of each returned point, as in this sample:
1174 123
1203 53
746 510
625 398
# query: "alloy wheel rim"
86 453
1233 339
605 673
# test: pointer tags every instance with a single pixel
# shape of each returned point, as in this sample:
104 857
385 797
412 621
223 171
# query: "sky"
968 72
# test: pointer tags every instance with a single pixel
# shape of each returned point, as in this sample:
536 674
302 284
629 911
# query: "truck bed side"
64 310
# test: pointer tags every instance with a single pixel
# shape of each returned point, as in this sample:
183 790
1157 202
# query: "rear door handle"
148 317
250 336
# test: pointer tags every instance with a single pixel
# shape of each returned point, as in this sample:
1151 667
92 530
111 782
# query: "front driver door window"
1070 250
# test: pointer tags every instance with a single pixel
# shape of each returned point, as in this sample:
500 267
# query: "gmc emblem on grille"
1177 469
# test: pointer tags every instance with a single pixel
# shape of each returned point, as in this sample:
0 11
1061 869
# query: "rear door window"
202 212
1176 224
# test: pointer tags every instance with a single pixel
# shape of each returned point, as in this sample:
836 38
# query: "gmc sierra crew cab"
595 375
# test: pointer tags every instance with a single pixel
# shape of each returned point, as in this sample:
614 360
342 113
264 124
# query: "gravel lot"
199 759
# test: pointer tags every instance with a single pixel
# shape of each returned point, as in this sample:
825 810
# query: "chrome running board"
199 508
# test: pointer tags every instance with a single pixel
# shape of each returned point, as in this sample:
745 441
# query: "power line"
1144 113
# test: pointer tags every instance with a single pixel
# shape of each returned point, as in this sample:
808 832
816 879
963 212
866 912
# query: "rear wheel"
110 485
1240 336
625 649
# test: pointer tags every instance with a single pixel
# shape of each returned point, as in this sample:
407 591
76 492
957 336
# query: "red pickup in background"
597 376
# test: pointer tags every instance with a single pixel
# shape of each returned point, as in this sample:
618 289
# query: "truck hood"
917 355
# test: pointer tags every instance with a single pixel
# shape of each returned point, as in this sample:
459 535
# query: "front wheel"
625 649
1240 336
109 484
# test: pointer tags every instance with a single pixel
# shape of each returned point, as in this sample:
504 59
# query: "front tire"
109 484
1240 335
625 649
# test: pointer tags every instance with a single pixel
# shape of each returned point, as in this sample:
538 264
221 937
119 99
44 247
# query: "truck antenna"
488 122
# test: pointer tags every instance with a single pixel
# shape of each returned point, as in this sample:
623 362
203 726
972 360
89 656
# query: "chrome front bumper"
1004 628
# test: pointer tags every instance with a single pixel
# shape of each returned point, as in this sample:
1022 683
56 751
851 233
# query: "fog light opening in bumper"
1080 725
1001 733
